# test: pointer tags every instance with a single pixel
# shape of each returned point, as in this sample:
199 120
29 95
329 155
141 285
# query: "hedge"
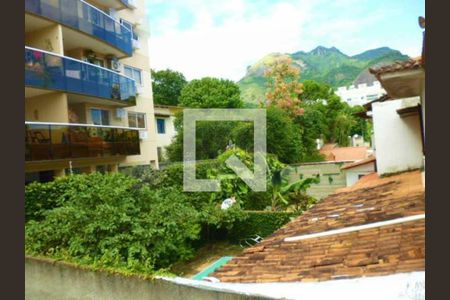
262 223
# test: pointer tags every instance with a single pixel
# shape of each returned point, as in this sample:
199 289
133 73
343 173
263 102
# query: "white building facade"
360 94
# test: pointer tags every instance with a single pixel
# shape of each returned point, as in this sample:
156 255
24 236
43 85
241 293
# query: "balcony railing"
51 71
50 141
84 17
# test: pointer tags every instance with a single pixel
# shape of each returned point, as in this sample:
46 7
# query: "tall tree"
283 86
167 86
211 92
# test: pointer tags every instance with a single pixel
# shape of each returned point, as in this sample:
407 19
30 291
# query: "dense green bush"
262 223
110 221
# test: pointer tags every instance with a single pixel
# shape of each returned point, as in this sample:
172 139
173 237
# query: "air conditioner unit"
143 134
121 113
114 64
139 89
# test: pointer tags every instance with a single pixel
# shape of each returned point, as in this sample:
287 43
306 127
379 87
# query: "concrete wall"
352 175
325 170
47 108
49 39
398 140
47 280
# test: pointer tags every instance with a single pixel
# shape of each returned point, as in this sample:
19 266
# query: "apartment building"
360 94
88 96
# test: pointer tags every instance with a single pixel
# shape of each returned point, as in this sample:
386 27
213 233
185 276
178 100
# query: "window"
100 116
136 120
161 125
133 73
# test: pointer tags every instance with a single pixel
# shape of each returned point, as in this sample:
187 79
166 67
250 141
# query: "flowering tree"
283 86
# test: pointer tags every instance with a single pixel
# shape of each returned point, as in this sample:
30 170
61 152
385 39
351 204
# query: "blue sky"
221 38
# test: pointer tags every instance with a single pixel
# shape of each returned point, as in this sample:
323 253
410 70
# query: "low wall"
331 177
47 279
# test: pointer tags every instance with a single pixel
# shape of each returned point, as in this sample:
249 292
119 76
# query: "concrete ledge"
48 279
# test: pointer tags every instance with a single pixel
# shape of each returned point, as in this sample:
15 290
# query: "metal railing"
50 141
84 17
52 71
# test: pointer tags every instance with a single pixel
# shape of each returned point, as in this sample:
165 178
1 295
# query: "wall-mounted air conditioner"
139 89
143 134
121 113
114 64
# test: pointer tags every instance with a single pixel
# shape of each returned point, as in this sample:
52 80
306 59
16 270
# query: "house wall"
326 170
352 175
165 139
398 140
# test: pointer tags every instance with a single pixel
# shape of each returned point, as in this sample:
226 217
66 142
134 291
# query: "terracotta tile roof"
410 64
382 250
344 153
361 162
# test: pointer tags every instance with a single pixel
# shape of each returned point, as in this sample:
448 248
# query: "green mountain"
322 64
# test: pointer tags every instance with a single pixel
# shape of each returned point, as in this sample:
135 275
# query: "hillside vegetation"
327 65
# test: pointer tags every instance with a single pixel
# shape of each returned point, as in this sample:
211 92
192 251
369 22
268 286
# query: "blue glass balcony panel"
50 71
84 17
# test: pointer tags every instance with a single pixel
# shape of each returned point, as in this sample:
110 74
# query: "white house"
354 171
165 127
399 121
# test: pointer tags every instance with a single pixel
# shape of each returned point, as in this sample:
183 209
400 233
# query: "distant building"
360 94
355 171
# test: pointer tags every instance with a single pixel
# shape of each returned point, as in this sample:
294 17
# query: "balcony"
86 18
46 70
52 141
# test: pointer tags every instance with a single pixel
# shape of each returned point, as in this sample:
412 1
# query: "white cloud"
225 49
227 36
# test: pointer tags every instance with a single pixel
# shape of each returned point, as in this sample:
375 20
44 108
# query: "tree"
327 117
283 86
283 136
211 92
167 86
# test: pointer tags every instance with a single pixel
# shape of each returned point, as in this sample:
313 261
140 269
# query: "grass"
205 256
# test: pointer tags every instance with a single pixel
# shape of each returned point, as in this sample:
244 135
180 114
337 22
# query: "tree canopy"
167 86
211 92
283 86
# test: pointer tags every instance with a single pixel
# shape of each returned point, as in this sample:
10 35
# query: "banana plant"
281 187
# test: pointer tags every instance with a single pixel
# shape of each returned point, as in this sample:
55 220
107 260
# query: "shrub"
111 222
262 223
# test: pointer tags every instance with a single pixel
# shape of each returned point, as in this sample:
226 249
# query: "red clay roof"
343 153
359 163
375 251
410 64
